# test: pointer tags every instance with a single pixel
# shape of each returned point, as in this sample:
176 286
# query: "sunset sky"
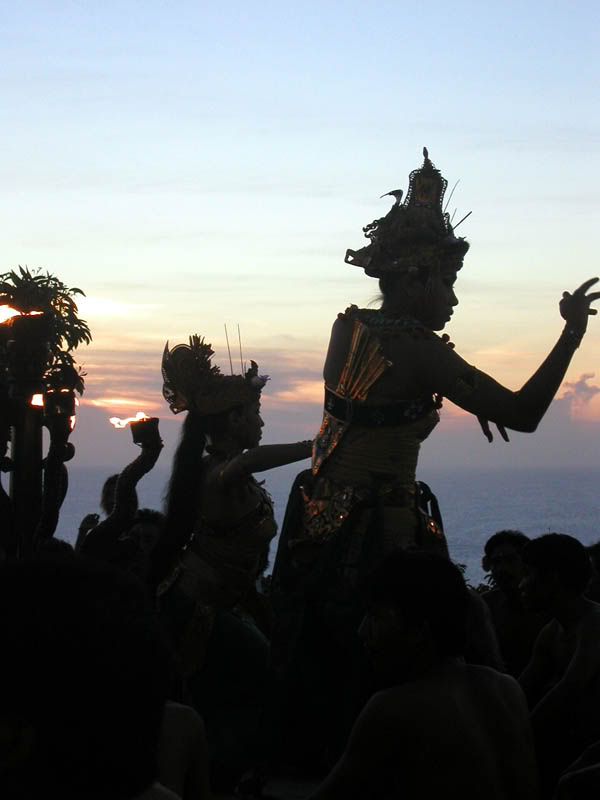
191 164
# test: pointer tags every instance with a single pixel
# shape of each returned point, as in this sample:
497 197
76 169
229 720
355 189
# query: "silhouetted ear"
485 564
411 284
236 416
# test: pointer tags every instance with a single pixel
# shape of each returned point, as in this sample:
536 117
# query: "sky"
191 165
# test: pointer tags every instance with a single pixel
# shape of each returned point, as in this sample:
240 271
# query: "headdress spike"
463 219
228 348
240 344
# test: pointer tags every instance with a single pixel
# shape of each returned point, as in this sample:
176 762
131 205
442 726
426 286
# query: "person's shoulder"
351 313
182 716
399 701
390 713
498 685
158 792
491 676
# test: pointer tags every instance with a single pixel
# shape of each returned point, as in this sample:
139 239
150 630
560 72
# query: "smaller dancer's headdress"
191 382
415 233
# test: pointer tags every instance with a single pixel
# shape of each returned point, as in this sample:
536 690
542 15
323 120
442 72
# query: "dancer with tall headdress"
386 372
219 524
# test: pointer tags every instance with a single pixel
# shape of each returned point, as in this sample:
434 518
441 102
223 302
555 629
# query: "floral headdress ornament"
192 382
415 233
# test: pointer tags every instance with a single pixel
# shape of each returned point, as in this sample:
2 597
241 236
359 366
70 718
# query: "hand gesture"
487 431
575 308
88 522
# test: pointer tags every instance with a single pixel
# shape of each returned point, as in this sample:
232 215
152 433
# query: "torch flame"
7 313
73 419
37 400
122 423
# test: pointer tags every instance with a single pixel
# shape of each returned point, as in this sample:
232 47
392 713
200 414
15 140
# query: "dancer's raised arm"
440 369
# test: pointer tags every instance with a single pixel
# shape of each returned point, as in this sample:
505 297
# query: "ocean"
474 503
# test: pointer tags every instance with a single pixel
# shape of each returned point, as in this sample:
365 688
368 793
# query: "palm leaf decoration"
33 290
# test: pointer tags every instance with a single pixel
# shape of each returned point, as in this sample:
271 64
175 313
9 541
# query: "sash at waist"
376 416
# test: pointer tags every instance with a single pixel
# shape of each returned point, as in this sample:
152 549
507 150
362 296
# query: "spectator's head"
107 498
146 528
84 672
56 547
503 559
417 612
557 568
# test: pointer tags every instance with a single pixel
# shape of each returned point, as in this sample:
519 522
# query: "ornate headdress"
416 233
190 381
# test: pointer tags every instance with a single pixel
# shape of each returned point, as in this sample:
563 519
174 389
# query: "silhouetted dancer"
219 523
386 372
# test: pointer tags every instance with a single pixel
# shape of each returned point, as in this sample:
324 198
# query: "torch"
27 353
144 429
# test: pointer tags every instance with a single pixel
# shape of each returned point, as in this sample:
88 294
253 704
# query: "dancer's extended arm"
260 459
442 370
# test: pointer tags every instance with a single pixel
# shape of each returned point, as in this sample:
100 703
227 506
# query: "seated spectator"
107 541
107 503
562 680
84 675
441 727
516 627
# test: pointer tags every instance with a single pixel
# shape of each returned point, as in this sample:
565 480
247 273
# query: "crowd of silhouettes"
491 691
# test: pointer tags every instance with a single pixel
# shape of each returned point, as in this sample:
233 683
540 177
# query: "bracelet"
571 338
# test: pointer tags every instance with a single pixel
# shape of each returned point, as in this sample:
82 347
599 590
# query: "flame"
122 423
7 313
73 418
37 400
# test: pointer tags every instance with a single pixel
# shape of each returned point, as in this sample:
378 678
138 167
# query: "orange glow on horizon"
121 402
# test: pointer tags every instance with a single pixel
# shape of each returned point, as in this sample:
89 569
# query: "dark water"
474 503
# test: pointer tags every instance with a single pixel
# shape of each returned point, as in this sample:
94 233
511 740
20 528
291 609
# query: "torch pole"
26 476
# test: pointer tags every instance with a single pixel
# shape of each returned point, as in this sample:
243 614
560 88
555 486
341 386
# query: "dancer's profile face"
438 299
253 424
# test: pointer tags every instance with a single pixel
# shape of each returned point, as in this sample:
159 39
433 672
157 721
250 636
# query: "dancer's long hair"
182 501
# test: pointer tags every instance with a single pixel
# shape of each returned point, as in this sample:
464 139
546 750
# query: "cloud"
578 396
580 391
94 306
300 391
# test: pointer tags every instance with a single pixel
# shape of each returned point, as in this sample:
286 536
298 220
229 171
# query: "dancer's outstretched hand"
487 431
575 308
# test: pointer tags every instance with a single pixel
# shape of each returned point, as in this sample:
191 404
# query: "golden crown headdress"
192 382
415 233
